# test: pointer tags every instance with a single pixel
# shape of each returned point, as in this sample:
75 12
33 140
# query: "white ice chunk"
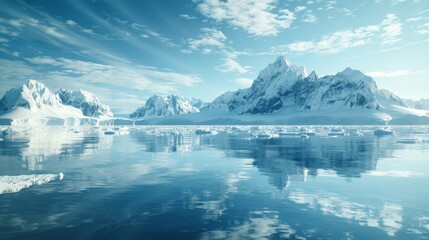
11 184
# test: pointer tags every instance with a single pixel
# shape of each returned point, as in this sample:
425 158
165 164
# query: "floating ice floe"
11 184
124 130
383 132
205 131
338 132
410 140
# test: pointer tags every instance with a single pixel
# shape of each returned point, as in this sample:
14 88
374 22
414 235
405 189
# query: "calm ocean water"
174 184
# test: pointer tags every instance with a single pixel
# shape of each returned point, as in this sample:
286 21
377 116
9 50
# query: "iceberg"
12 184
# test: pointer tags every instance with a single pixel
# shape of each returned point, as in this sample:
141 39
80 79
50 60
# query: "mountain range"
283 93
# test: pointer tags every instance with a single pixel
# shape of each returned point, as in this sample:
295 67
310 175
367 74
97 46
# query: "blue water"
176 185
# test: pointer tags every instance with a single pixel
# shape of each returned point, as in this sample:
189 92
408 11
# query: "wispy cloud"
138 77
300 8
230 64
391 29
424 28
209 39
309 17
387 32
146 32
188 17
414 19
257 17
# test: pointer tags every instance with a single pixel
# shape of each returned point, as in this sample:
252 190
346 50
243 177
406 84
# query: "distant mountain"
85 101
35 100
419 104
283 85
158 106
284 93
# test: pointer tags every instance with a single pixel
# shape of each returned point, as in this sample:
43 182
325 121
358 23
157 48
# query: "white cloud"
210 38
257 17
414 19
387 32
330 4
188 17
134 77
424 29
44 60
89 31
231 65
53 32
309 18
347 12
9 32
300 8
381 74
16 54
161 38
391 29
71 23
245 82
394 2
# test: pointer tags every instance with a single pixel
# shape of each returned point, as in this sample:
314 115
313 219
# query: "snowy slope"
158 106
85 101
34 100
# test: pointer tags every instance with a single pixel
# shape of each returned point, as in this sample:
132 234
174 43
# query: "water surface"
174 184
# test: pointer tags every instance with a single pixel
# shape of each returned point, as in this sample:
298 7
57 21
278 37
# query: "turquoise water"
173 184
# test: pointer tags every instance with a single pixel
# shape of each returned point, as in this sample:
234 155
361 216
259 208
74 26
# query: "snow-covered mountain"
283 85
157 106
284 93
85 101
34 99
264 96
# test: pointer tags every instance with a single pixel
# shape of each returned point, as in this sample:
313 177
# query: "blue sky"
126 51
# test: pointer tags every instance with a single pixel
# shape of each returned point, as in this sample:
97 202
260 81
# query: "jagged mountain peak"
282 60
353 75
282 69
32 95
312 76
34 84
